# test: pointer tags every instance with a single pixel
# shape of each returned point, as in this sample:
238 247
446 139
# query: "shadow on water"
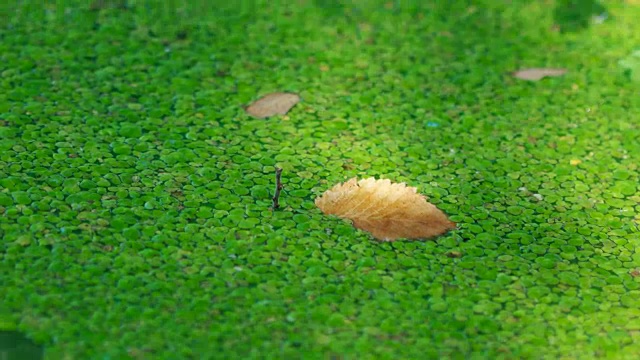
15 346
575 15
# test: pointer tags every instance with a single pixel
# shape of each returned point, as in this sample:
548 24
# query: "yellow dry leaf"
389 211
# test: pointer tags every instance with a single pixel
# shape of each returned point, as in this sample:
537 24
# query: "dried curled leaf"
273 104
537 74
388 211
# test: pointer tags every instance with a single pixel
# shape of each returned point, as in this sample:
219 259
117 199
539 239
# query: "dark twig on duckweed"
279 187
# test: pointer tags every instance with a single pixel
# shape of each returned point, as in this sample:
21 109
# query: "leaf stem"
279 188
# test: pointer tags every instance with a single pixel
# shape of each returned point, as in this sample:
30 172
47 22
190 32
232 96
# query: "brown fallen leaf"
272 104
389 211
536 74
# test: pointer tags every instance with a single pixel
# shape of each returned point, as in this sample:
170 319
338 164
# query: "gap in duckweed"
14 345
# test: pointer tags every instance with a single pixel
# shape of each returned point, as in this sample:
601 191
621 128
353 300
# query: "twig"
279 188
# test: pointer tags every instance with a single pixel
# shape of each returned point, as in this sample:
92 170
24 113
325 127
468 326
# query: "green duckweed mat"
135 190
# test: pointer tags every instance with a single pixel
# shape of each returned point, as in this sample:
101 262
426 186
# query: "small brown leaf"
536 74
273 104
388 211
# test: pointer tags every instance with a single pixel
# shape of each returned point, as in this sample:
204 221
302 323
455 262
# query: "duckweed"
135 192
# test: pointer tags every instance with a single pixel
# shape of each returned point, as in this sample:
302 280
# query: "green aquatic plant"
136 194
631 64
